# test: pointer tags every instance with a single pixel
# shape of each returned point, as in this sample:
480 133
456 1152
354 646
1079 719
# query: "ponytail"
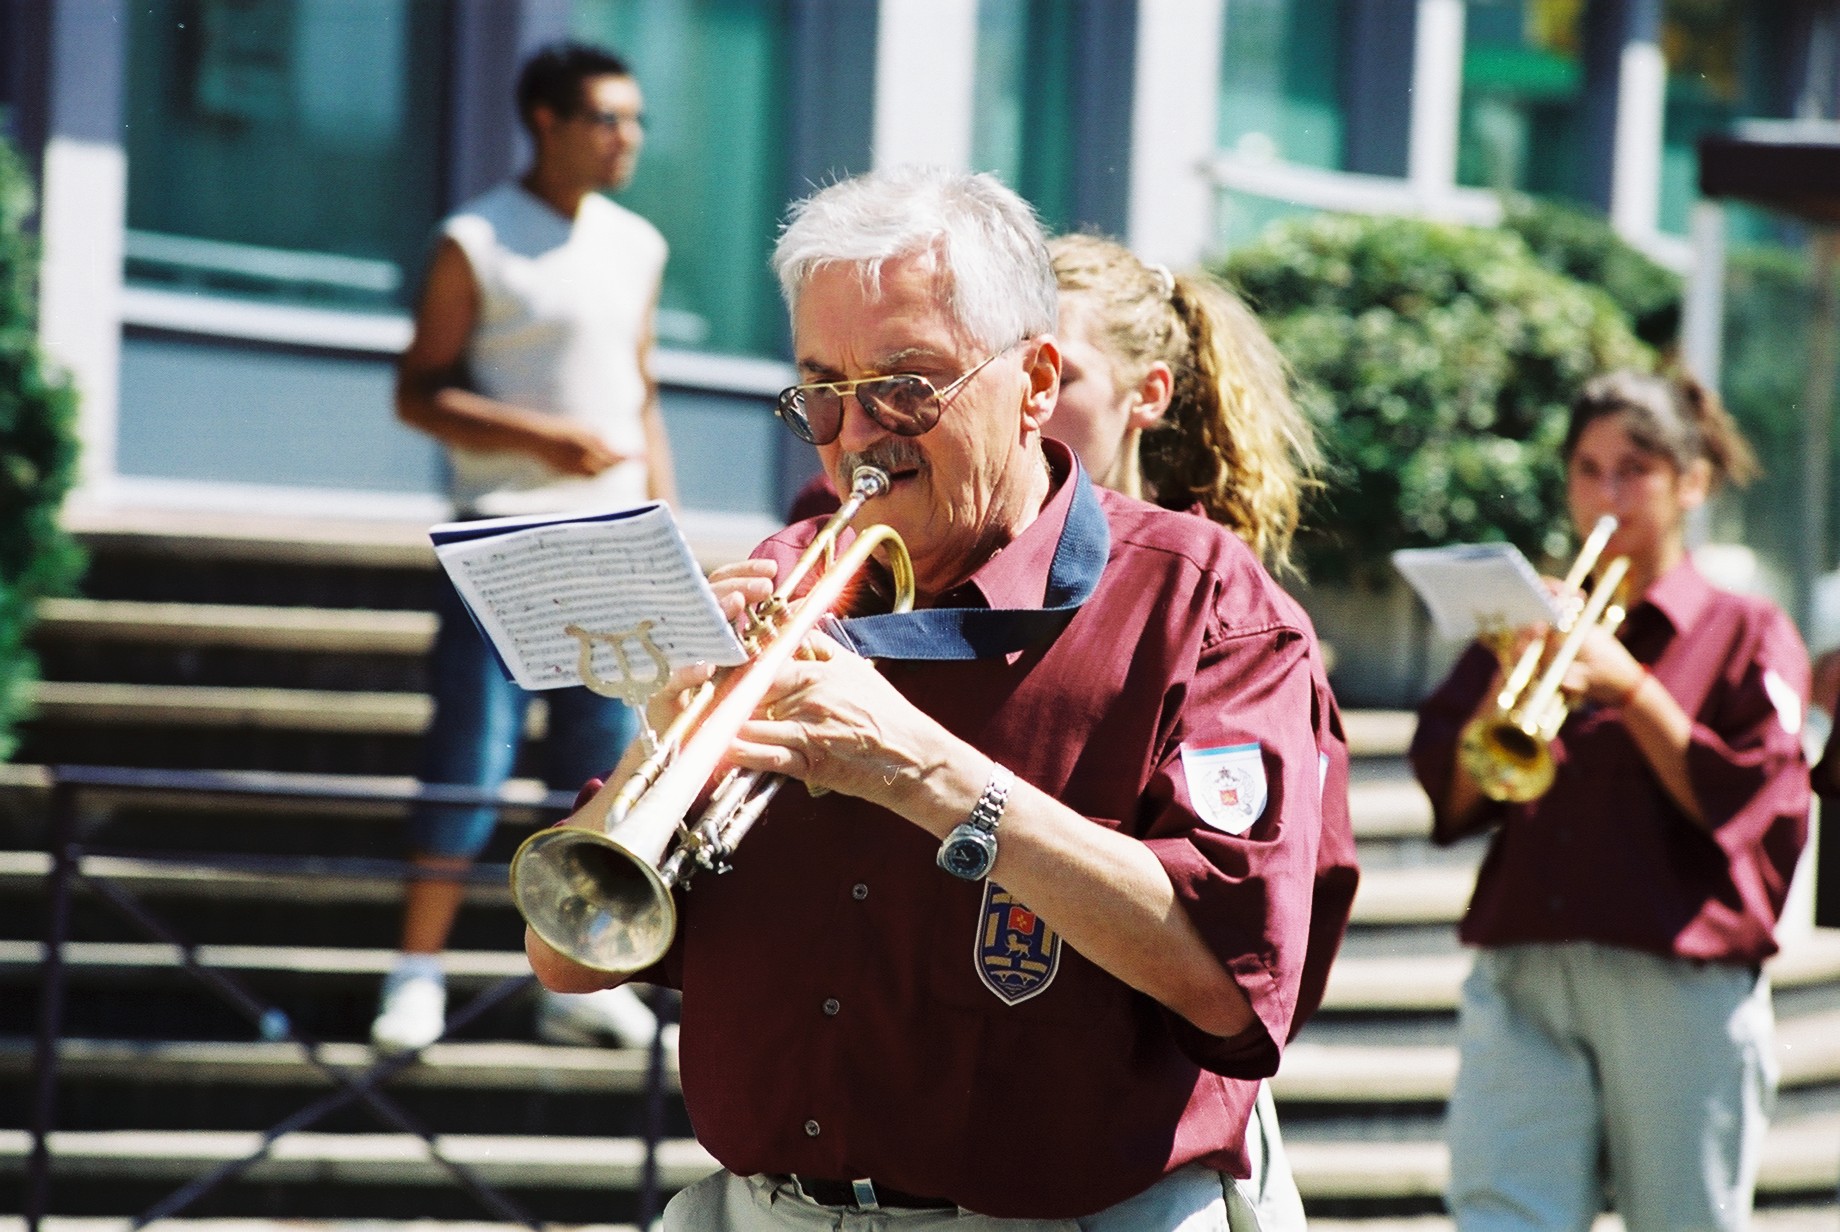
1233 439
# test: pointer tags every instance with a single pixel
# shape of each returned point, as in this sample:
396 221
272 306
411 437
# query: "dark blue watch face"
968 855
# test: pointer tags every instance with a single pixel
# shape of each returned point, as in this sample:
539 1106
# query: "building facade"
237 195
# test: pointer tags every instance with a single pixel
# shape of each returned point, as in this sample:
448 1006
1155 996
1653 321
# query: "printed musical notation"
533 585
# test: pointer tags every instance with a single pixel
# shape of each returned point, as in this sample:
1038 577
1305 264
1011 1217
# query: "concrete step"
1800 1156
81 1223
1807 1048
94 703
479 1066
1767 1219
1432 982
285 540
1428 983
1387 896
311 883
523 1162
1378 733
239 626
465 968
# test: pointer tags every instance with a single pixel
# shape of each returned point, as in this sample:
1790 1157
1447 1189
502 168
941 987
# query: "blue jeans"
479 723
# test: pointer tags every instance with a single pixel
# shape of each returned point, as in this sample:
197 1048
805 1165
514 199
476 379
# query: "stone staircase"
297 648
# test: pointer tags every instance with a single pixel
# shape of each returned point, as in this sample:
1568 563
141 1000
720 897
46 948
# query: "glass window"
713 174
1523 91
1725 62
284 149
1280 81
1023 129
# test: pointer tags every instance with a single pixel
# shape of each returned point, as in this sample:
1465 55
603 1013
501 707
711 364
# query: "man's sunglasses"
612 119
904 403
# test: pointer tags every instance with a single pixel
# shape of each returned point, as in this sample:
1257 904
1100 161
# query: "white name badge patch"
1787 702
1226 785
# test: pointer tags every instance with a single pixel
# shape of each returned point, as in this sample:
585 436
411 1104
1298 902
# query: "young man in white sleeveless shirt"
531 364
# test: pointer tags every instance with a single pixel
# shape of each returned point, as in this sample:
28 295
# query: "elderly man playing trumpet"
1019 955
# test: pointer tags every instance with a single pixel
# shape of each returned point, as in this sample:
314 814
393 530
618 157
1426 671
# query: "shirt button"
831 1006
859 891
811 1129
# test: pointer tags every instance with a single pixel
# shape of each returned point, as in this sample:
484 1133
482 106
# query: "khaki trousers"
1583 1064
1193 1199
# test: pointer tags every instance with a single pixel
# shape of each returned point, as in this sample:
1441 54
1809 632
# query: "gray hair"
987 240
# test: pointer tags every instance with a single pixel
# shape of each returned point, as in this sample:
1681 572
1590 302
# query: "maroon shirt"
1606 855
838 1021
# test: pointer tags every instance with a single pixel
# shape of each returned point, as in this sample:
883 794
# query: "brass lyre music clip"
630 687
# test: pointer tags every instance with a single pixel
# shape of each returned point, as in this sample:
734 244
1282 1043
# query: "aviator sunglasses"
904 403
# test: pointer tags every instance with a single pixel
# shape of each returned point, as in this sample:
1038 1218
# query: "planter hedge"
1439 360
37 454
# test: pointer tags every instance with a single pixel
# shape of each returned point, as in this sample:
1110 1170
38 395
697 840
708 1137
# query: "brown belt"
866 1195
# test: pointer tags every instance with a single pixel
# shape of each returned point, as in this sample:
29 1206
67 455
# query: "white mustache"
894 454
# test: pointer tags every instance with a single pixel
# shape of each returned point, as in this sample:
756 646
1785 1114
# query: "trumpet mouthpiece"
868 482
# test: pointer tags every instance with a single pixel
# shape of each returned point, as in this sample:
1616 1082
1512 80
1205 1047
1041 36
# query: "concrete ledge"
373 1159
21 870
467 1065
1799 1156
1389 810
1807 1048
1421 894
463 967
315 710
1378 733
248 627
1432 982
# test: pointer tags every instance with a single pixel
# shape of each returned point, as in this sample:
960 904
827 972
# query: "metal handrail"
69 784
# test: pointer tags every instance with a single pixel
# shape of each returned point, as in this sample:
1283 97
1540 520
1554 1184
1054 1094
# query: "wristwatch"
970 851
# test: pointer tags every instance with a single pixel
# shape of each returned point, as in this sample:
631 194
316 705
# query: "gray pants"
1579 1053
1193 1199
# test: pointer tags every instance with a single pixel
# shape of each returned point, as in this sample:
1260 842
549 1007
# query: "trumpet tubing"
1508 751
600 891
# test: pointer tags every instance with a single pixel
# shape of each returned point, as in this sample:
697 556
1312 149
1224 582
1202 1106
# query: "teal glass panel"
1022 128
713 173
1280 81
1521 125
284 149
1724 62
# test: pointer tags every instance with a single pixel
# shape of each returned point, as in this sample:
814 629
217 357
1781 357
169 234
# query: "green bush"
1439 361
37 454
1581 244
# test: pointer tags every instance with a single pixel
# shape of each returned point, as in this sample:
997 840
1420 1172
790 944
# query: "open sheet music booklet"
541 587
1477 587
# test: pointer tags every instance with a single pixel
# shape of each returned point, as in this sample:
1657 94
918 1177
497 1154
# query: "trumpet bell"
591 898
1507 763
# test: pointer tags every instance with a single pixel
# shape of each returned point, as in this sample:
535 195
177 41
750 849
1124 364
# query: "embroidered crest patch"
1226 785
1017 953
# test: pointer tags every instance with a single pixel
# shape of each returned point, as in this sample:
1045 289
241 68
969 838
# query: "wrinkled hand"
835 723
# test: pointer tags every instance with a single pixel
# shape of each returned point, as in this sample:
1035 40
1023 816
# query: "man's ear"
1044 373
1151 397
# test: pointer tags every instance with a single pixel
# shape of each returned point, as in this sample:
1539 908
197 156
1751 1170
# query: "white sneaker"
411 1014
612 1015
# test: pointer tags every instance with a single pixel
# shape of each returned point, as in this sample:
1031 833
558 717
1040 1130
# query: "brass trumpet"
1508 751
602 896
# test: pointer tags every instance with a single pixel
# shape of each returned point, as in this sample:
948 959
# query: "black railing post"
61 846
654 1115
